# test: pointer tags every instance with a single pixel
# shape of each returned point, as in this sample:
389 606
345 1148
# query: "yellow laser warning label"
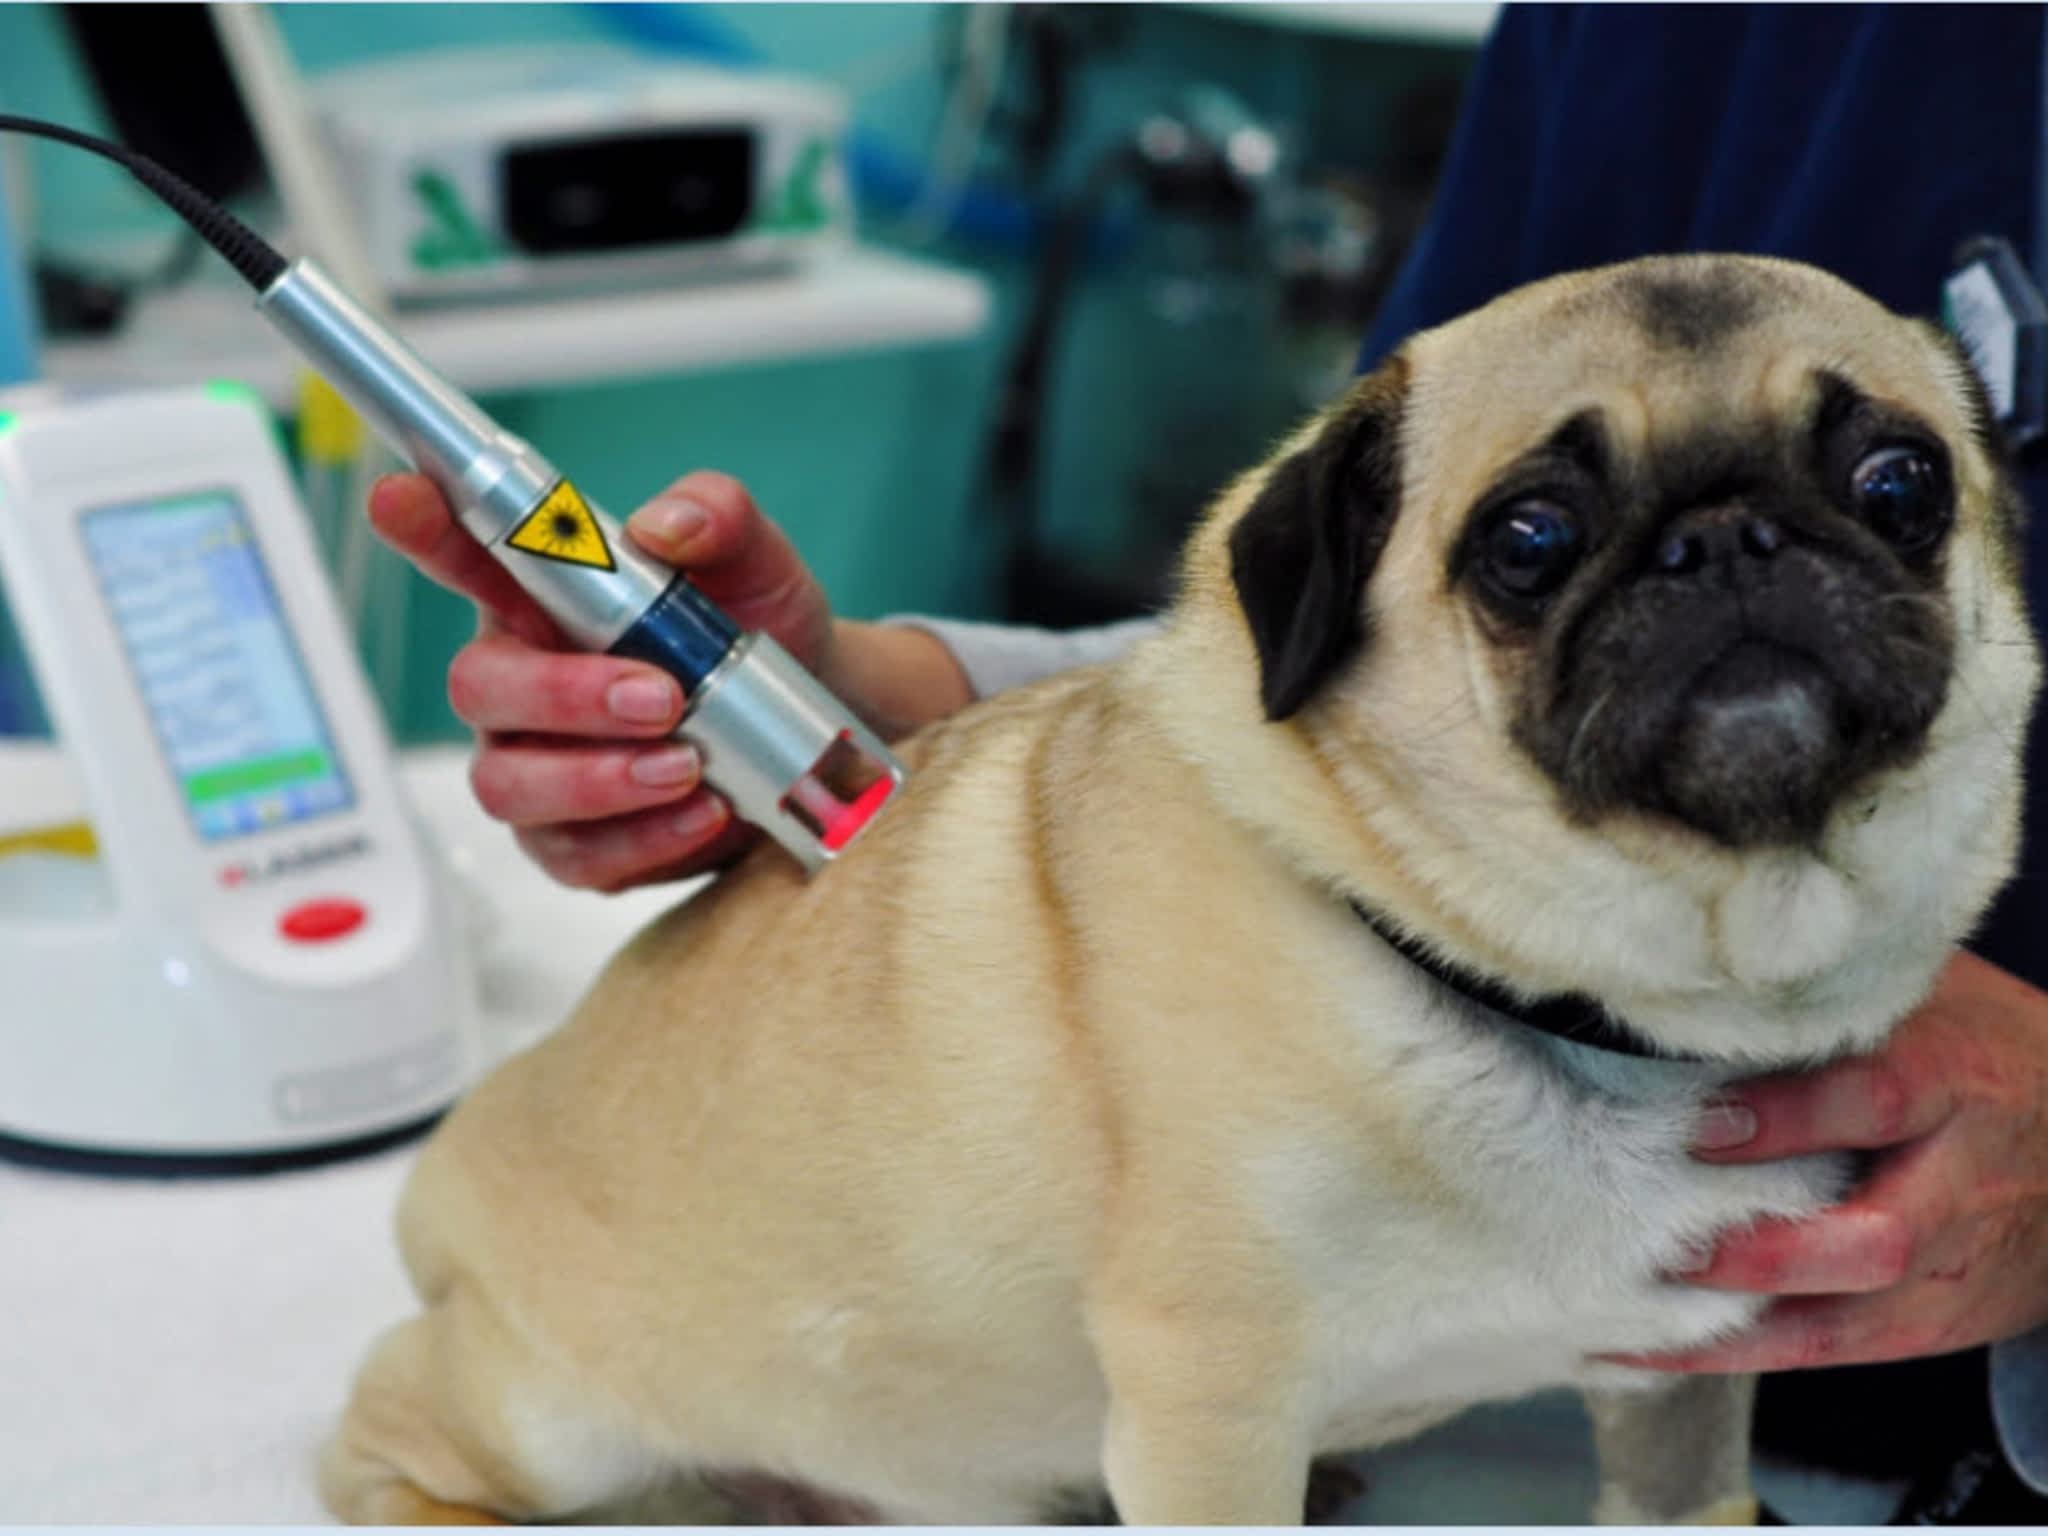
561 528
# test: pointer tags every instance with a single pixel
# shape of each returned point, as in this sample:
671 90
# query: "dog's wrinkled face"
1732 623
1695 523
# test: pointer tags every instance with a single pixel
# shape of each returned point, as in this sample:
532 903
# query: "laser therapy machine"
265 966
251 953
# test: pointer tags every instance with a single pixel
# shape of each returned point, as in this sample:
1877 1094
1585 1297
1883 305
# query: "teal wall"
871 461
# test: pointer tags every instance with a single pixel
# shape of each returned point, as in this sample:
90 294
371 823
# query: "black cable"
247 252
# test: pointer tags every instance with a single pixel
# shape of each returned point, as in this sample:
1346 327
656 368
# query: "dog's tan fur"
1073 1131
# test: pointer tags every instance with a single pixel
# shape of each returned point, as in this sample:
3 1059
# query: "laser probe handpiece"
791 758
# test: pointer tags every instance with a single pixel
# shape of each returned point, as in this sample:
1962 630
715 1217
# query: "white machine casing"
422 147
169 1015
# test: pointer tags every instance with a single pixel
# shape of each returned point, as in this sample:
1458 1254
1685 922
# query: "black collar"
1568 1015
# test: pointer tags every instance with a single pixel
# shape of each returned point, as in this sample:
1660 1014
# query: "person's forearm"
910 670
900 678
996 657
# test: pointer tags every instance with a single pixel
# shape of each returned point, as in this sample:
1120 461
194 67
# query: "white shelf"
1421 21
853 301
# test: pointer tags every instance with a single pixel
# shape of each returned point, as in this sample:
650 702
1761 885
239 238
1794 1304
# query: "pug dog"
1283 1038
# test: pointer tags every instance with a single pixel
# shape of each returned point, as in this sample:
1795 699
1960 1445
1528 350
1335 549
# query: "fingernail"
700 818
642 700
676 522
1693 1256
665 767
1724 1123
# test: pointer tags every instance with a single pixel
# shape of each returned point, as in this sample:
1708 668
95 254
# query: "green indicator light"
238 393
7 421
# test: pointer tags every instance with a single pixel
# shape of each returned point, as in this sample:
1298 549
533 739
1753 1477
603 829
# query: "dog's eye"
1903 496
1530 548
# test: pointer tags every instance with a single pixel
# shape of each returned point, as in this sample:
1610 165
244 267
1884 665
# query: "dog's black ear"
1302 551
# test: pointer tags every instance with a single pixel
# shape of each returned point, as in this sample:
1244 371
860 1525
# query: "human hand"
573 747
1944 1245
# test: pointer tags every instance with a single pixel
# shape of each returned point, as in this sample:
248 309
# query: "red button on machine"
315 922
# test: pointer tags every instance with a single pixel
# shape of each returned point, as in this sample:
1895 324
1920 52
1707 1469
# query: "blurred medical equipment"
163 84
167 89
246 955
882 177
493 170
19 708
985 41
1206 170
1250 274
17 313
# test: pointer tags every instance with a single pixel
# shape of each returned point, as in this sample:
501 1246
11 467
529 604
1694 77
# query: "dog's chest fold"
1514 1216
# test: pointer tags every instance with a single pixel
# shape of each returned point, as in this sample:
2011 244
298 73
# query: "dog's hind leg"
1675 1452
453 1421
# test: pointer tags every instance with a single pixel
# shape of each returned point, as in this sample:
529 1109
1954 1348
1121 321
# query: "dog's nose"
1717 536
